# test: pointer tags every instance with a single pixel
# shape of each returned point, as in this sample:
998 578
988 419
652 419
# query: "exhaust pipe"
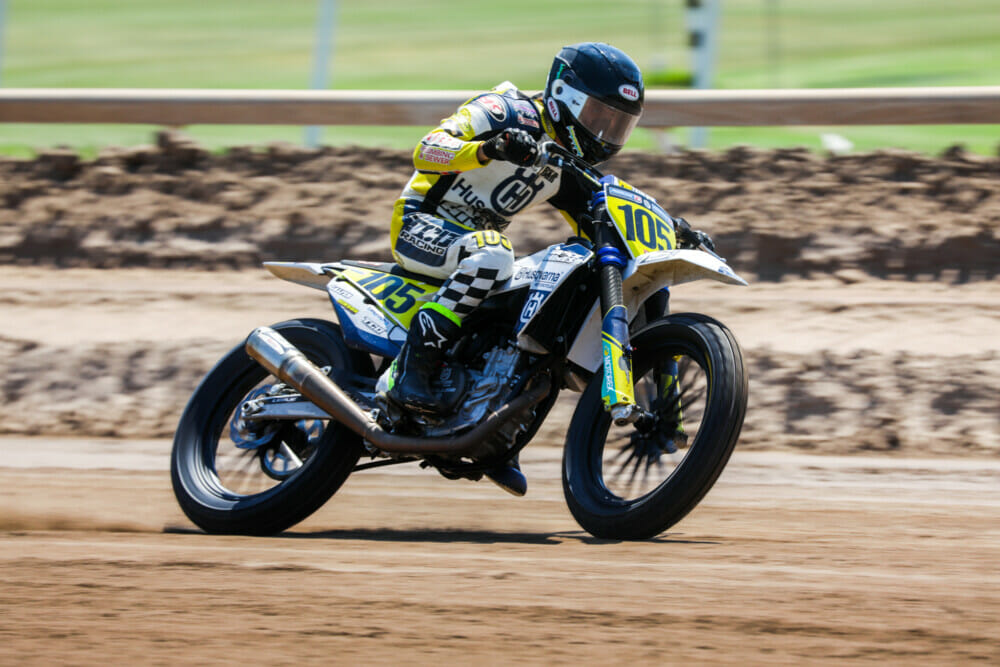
284 360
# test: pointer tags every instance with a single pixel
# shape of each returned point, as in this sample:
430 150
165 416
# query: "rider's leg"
474 262
492 259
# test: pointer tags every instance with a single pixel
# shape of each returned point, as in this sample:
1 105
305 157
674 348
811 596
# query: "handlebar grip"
546 155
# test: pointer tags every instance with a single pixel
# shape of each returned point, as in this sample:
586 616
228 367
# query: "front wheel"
232 476
636 481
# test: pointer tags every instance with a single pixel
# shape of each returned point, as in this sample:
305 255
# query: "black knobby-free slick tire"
197 485
602 513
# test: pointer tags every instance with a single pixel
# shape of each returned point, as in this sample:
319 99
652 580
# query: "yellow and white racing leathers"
449 220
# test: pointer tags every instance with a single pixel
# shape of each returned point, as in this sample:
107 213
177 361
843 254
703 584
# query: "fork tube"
617 392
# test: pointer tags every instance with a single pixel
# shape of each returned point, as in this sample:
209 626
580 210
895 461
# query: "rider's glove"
691 238
515 145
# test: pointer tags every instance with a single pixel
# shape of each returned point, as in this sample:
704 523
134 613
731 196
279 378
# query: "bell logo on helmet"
629 92
553 109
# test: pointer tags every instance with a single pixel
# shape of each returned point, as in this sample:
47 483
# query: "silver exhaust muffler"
285 361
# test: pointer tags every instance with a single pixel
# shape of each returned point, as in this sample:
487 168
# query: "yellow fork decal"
617 388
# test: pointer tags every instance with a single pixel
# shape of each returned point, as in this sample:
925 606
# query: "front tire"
263 493
689 373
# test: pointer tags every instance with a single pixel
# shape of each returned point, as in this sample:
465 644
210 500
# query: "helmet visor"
607 123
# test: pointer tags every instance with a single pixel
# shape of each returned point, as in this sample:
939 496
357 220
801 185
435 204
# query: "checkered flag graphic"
463 292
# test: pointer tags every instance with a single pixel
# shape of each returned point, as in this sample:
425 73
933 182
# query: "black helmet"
593 98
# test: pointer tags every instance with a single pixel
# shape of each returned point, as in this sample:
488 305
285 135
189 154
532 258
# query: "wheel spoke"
673 390
287 452
247 470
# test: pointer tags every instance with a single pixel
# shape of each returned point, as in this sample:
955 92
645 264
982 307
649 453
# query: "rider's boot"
509 478
431 334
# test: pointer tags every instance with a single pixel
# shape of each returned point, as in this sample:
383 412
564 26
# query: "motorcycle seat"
394 269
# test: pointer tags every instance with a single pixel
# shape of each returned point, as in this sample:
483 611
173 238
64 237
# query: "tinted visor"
606 123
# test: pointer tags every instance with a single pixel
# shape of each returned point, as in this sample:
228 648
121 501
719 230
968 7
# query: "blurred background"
443 44
856 521
893 236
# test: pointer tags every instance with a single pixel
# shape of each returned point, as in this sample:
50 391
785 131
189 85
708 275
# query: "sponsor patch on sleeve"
526 113
480 120
440 139
494 106
436 155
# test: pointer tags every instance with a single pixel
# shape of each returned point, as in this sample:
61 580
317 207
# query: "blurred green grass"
445 44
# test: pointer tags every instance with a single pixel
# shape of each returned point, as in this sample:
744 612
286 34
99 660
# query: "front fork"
617 390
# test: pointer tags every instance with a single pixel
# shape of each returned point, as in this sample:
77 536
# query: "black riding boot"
509 478
431 334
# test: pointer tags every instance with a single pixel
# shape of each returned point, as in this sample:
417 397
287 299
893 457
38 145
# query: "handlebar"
549 152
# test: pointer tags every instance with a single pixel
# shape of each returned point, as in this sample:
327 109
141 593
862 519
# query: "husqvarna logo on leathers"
516 192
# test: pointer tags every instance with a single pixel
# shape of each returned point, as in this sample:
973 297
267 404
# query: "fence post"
703 24
3 32
325 25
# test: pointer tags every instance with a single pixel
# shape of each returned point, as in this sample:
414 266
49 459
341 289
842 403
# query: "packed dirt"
791 559
857 520
903 368
870 323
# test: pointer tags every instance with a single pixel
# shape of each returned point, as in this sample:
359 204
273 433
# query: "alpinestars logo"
432 337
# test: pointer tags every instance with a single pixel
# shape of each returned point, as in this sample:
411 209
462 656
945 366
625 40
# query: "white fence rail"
664 108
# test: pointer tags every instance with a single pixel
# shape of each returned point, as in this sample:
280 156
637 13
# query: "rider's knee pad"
487 250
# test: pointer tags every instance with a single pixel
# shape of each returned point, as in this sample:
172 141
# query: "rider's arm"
456 145
442 152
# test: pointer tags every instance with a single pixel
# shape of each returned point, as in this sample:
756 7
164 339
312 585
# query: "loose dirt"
870 327
790 559
899 367
870 324
773 213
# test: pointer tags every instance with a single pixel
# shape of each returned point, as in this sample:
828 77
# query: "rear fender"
374 307
301 273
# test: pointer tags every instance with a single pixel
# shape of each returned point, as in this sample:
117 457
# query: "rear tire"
200 489
714 353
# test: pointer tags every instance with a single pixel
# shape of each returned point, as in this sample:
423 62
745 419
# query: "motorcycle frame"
651 264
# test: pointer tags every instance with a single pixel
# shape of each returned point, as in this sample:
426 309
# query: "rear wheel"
636 481
231 476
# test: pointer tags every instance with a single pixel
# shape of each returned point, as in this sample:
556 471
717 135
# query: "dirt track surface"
870 327
897 367
791 558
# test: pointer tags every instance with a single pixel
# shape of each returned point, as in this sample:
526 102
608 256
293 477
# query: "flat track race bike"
277 426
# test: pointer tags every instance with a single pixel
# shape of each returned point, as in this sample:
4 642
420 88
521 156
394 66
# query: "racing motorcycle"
277 426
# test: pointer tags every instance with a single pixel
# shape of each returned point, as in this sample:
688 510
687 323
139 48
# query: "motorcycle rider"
474 172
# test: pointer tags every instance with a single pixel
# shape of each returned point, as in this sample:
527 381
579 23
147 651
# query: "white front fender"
641 279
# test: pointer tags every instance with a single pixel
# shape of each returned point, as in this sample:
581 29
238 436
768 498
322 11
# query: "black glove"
516 146
691 238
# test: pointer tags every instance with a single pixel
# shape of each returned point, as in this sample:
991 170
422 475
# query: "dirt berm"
772 213
871 324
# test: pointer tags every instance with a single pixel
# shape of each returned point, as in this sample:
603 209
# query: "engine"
486 390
